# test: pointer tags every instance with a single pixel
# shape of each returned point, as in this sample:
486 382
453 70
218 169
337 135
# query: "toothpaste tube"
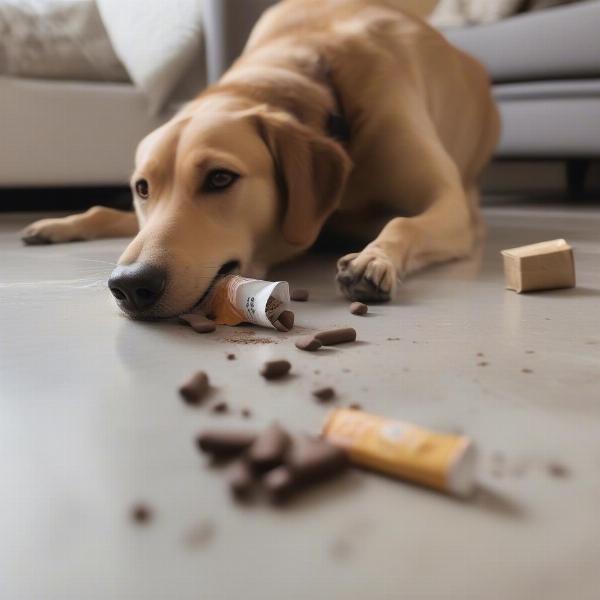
235 300
441 461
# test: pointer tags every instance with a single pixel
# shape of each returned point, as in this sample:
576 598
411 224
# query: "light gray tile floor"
90 423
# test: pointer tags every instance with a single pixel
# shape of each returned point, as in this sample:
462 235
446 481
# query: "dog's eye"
142 188
218 180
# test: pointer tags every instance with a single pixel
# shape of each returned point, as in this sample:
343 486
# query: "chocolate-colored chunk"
558 470
286 318
220 407
324 394
358 308
355 406
308 343
279 484
141 514
331 337
231 356
269 448
274 369
225 442
246 413
198 323
299 295
310 460
241 479
195 389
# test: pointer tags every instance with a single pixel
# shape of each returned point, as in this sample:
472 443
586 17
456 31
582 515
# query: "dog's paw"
367 276
50 231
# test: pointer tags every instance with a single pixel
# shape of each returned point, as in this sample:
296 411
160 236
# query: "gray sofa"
545 67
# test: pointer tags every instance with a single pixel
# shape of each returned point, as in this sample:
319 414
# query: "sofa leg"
577 169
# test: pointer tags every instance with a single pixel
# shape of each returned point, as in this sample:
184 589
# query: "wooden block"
544 266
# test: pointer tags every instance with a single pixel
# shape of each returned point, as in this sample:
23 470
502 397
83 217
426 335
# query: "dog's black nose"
137 287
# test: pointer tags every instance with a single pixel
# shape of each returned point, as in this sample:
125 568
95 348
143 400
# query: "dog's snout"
137 287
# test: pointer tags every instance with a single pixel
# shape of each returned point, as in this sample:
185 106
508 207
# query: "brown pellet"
308 343
269 448
331 337
355 406
324 394
220 407
198 323
299 295
240 479
195 389
231 356
286 318
141 514
310 460
225 442
358 308
246 413
275 369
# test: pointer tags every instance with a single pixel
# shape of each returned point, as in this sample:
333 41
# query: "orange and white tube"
441 461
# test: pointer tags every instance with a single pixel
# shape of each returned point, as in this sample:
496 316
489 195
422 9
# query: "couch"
545 67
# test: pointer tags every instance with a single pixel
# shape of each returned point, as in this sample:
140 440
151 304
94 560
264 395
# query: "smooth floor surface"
90 424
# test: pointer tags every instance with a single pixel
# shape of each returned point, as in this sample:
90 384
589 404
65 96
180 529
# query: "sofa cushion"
554 44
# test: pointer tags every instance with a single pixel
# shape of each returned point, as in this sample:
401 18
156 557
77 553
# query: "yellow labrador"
335 105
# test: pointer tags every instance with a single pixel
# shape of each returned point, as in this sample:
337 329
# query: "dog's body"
421 125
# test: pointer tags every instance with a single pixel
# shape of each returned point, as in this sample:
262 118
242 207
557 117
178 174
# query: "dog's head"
218 190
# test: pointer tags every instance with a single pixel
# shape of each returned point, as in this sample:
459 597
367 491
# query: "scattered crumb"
246 413
200 535
393 339
557 470
324 394
529 351
317 372
231 356
249 340
220 407
526 371
480 354
345 370
482 364
141 514
355 406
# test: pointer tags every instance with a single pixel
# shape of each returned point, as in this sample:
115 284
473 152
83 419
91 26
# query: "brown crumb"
140 514
480 354
346 370
220 407
231 356
557 470
526 371
324 394
482 364
529 351
246 413
355 406
393 339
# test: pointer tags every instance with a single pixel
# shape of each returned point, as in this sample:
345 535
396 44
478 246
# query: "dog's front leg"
96 223
444 231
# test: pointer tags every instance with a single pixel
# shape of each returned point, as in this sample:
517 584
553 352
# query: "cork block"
544 266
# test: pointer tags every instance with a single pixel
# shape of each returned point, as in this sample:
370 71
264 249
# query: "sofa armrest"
227 25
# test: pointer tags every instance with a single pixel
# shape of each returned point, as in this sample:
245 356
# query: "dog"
350 107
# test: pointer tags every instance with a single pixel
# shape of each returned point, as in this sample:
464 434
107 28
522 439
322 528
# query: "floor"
90 423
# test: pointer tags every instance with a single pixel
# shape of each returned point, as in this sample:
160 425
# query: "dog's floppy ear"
312 170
